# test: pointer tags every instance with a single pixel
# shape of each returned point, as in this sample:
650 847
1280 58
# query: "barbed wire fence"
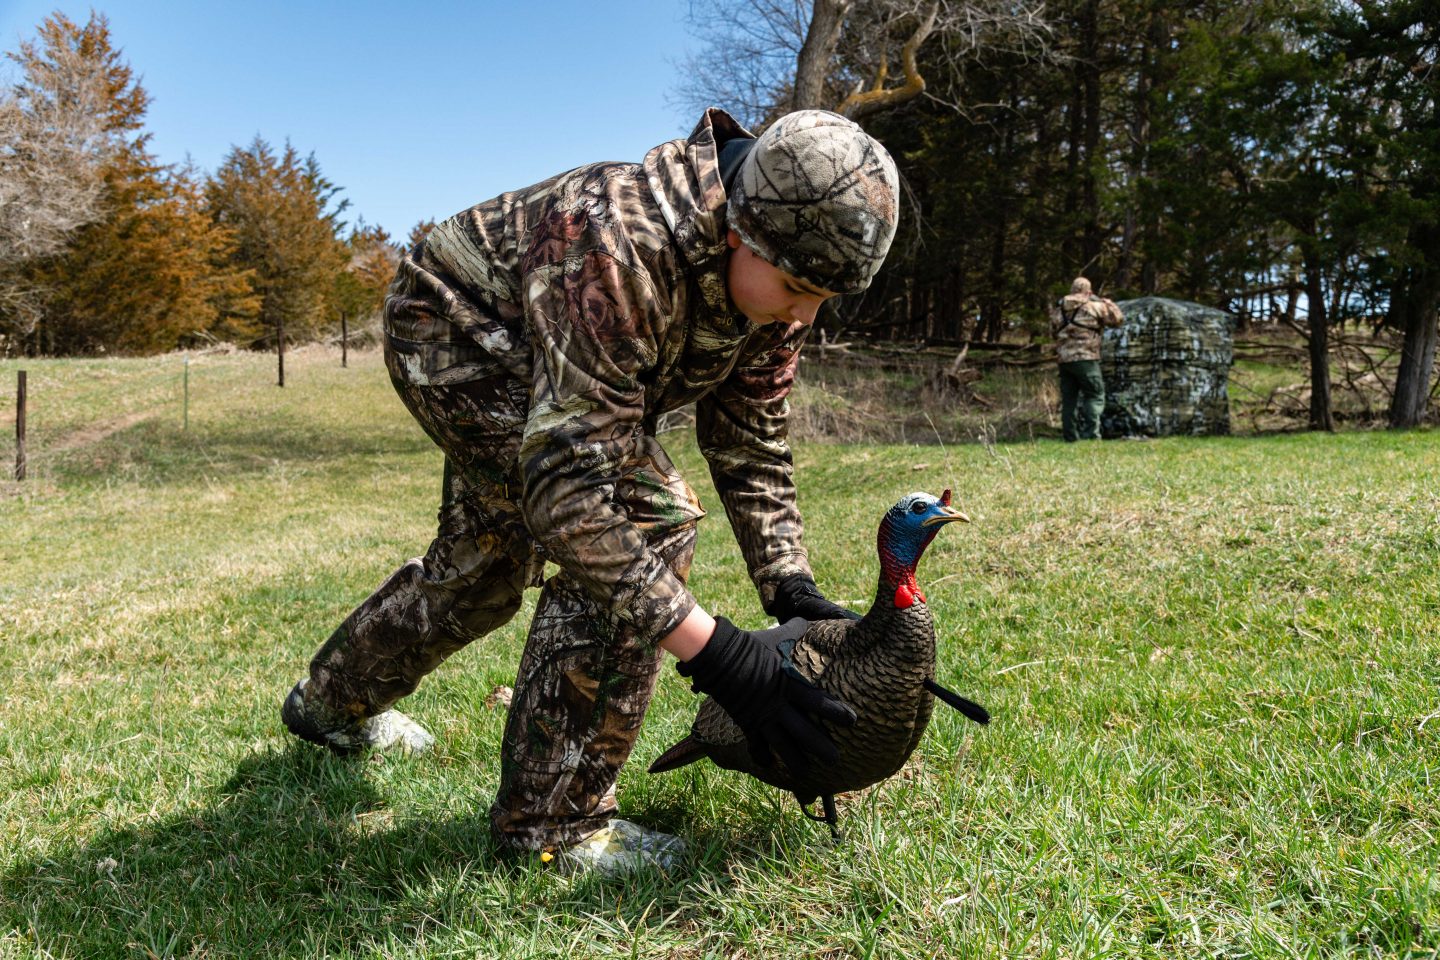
45 417
50 412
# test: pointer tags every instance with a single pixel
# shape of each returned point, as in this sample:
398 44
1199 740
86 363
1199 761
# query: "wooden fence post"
280 347
344 341
20 426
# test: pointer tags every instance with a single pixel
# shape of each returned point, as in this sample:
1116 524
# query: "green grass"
1214 667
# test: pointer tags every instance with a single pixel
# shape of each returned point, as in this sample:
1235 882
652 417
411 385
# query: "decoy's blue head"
910 525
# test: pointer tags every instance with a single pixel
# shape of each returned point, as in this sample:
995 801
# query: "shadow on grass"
280 864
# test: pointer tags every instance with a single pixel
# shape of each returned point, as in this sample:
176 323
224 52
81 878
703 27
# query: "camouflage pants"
585 679
1082 399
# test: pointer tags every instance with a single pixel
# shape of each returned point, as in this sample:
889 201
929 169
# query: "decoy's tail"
686 751
970 708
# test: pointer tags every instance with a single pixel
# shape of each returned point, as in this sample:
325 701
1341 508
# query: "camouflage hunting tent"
1166 369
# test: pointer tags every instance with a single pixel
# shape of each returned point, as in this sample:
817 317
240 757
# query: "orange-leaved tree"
284 217
147 266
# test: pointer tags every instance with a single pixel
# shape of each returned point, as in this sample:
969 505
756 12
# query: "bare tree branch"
881 97
763 57
52 141
747 64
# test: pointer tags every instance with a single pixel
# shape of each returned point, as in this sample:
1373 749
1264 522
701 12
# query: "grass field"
1214 667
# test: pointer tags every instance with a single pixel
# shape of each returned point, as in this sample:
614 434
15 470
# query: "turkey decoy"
882 665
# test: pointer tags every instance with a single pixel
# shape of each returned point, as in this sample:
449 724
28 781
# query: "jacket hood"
684 177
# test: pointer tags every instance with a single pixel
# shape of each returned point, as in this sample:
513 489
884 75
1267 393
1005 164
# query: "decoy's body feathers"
882 665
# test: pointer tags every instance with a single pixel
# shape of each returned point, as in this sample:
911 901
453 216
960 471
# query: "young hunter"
536 338
1076 322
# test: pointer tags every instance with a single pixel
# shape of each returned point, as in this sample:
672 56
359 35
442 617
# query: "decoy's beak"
948 514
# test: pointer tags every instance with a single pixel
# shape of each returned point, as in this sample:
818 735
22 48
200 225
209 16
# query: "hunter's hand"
797 596
745 673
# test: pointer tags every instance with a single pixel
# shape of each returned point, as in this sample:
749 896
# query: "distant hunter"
1077 321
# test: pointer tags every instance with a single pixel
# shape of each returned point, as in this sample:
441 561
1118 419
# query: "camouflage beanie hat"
817 197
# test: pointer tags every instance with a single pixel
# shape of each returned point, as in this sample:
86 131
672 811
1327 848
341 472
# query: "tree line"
1279 159
103 248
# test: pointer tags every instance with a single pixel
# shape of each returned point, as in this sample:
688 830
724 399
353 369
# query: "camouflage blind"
1166 369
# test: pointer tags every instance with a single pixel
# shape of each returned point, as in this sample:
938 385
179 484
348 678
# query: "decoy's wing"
714 727
823 641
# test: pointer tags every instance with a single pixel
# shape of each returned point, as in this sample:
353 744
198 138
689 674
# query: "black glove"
745 673
797 596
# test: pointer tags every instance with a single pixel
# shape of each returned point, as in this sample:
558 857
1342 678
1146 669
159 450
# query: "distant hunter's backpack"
1067 317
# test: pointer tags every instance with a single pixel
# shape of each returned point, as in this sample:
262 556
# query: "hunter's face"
766 294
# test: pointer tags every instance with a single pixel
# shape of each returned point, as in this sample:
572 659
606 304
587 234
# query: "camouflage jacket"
601 294
1079 339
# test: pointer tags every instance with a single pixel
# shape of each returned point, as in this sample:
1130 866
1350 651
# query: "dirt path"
96 432
76 439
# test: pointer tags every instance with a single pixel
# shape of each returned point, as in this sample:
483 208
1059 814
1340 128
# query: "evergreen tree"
1391 138
361 286
151 275
149 267
280 210
419 232
373 260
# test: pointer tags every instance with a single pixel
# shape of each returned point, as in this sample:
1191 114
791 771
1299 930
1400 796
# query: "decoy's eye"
918 506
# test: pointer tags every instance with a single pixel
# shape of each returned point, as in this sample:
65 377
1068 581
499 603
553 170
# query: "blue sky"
416 113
